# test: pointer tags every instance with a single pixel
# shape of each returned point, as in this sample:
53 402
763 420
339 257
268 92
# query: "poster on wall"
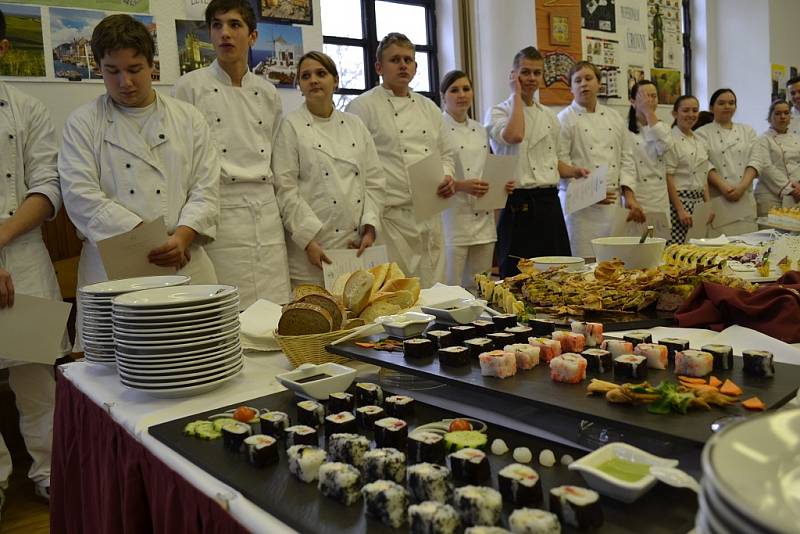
196 9
609 82
604 54
194 45
635 74
558 38
778 82
125 6
598 15
668 84
275 53
24 31
284 11
664 25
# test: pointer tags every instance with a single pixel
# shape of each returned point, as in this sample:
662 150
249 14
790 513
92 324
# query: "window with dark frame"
352 29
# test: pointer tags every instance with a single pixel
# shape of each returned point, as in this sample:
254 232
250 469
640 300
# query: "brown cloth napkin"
773 309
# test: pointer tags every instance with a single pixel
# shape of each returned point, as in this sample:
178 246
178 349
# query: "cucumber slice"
222 421
463 439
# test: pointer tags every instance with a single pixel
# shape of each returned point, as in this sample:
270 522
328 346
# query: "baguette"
302 318
357 291
330 304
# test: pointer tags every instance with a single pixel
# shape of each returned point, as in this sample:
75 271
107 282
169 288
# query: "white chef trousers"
418 248
464 261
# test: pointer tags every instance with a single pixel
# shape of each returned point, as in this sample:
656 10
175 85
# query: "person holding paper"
793 94
243 112
29 195
328 178
778 152
532 223
592 136
688 168
730 149
406 128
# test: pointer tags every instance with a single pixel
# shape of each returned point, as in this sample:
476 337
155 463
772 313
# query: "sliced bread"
357 291
338 285
301 318
353 323
394 272
403 284
402 298
308 289
330 304
377 309
379 272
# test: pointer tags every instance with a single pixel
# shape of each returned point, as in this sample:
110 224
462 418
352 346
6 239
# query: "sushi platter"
272 476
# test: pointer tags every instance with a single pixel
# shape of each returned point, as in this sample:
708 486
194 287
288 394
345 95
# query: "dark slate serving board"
536 387
612 321
302 507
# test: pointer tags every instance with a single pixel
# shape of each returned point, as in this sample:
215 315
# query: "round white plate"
148 313
168 333
161 349
191 371
171 326
148 363
155 384
102 339
98 346
115 287
176 393
96 316
177 354
171 296
180 338
205 313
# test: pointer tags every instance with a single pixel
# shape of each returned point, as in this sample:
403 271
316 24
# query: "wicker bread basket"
310 348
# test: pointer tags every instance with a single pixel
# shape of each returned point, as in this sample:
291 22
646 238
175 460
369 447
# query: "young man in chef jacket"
243 111
406 127
29 195
793 96
133 155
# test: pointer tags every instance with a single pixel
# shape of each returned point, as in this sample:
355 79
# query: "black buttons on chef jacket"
256 93
224 150
262 150
260 123
11 136
158 191
354 145
8 175
401 131
342 122
161 136
131 191
2 104
216 90
356 173
219 120
11 212
335 203
358 201
127 165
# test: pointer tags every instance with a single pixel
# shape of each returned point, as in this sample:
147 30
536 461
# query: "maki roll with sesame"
597 360
432 517
425 447
418 347
401 406
478 505
504 320
758 363
639 336
440 338
465 439
310 413
673 344
483 327
455 356
519 485
386 501
469 466
261 450
300 435
478 346
577 507
367 415
368 394
233 435
463 332
384 464
304 461
342 422
501 339
533 521
521 333
430 482
341 401
630 366
340 482
391 432
722 354
274 423
348 448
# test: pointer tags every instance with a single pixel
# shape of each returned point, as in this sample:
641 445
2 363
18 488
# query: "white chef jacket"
688 162
27 166
537 165
794 126
651 147
329 183
249 250
591 140
779 164
463 224
406 130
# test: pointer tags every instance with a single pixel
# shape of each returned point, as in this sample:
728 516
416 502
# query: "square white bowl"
613 487
461 310
405 325
339 380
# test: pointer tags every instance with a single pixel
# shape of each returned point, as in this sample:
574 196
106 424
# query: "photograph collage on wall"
599 15
284 11
24 30
119 6
605 55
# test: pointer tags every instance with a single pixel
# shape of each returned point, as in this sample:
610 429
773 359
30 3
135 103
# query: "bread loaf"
338 285
379 272
308 289
377 309
402 298
394 273
302 318
330 304
403 284
357 291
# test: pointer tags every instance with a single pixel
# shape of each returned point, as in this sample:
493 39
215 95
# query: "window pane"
421 82
341 101
350 64
403 18
341 18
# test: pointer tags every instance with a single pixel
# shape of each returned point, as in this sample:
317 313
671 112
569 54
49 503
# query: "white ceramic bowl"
405 325
462 311
572 263
636 255
339 380
613 487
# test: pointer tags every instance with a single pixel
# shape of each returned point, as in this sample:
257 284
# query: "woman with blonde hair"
778 153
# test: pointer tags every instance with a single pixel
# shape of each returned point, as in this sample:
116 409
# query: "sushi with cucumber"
696 363
463 332
341 401
630 366
300 435
592 332
274 423
465 439
384 464
657 355
233 435
367 415
722 354
533 521
638 336
401 406
440 338
342 422
498 364
569 368
570 341
576 506
310 413
504 320
469 466
519 485
391 432
419 347
348 448
368 394
261 450
521 333
598 360
758 363
478 346
617 347
430 482
386 501
202 429
425 446
527 355
478 505
674 344
304 461
433 517
455 356
340 482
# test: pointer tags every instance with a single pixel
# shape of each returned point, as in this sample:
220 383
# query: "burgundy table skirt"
104 481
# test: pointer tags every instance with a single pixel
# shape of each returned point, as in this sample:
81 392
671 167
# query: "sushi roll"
478 505
498 363
630 366
693 363
722 354
401 406
521 333
384 464
367 415
656 355
368 394
758 363
425 447
304 461
639 336
347 448
569 368
463 332
504 320
483 529
483 327
533 521
419 347
386 501
261 450
391 432
340 482
470 466
577 507
455 356
465 439
274 423
233 435
597 360
592 332
519 485
548 348
300 435
478 346
430 482
570 341
617 347
527 356
342 422
673 344
440 338
432 517
310 413
341 401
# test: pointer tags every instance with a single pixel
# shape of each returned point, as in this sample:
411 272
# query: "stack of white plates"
177 341
751 477
95 309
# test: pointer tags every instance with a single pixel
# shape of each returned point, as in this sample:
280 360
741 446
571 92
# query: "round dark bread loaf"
302 318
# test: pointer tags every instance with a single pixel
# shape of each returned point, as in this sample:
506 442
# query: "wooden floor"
24 512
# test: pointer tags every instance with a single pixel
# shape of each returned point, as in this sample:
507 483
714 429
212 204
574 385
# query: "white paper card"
345 261
583 192
424 178
699 228
32 330
621 227
726 212
496 171
125 255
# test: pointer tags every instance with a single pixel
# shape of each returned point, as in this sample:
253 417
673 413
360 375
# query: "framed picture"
284 11
559 30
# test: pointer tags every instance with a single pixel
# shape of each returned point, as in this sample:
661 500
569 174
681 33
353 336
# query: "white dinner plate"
179 383
172 296
205 312
142 335
96 316
193 371
171 326
162 350
188 391
116 287
103 339
177 354
146 341
148 313
150 363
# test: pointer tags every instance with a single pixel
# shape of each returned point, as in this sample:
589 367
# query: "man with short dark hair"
793 97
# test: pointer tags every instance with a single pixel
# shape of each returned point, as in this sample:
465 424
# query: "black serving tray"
302 507
536 387
544 323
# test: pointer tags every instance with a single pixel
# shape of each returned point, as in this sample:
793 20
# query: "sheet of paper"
424 178
125 255
699 228
726 212
622 227
32 330
345 261
497 171
584 192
